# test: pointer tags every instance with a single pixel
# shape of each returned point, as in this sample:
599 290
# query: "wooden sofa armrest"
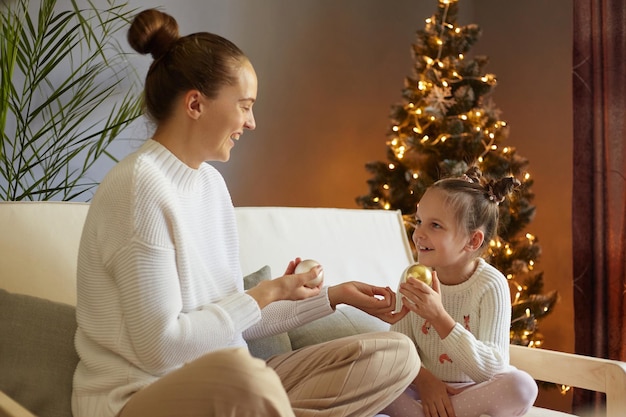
594 374
9 408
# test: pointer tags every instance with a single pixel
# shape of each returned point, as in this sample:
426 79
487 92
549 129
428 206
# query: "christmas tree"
446 122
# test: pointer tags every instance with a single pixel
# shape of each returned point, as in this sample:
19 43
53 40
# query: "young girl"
461 324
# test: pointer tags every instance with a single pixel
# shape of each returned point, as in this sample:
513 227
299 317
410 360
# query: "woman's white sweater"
159 281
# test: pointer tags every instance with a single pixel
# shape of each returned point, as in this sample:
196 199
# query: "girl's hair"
475 200
201 61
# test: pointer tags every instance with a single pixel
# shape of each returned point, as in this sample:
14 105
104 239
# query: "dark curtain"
599 187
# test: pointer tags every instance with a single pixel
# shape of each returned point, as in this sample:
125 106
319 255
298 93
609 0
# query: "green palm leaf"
59 69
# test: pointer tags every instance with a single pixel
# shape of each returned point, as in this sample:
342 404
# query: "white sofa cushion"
39 240
39 248
334 237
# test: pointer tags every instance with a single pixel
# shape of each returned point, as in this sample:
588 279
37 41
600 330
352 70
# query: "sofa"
38 249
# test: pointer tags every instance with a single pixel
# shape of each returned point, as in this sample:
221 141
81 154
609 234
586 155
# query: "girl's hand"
376 301
288 287
426 302
435 395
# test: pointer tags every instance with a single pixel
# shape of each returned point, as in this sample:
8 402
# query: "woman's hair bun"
153 32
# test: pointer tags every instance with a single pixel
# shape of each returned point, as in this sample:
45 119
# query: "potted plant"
66 92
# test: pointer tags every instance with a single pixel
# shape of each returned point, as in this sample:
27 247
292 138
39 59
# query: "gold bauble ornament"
419 272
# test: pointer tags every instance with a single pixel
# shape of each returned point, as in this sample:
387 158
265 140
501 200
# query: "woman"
162 314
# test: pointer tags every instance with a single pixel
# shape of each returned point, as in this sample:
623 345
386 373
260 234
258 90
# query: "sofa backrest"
39 247
351 244
39 244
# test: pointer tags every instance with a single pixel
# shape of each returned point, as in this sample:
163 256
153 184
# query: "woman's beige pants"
353 376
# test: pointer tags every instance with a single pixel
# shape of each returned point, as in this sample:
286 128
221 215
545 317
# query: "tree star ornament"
440 100
305 266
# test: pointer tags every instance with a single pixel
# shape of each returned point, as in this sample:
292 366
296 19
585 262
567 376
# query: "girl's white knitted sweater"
478 346
159 282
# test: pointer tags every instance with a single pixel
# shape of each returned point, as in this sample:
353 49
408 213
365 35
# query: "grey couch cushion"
268 346
37 356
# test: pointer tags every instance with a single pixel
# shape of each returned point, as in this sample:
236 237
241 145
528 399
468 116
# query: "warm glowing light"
505 149
392 166
395 128
411 105
415 176
444 83
461 56
527 176
494 147
387 206
386 186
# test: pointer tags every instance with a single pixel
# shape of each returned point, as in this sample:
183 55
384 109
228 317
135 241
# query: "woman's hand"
435 395
376 301
288 287
426 302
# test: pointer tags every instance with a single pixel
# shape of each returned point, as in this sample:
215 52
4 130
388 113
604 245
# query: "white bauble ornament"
305 266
